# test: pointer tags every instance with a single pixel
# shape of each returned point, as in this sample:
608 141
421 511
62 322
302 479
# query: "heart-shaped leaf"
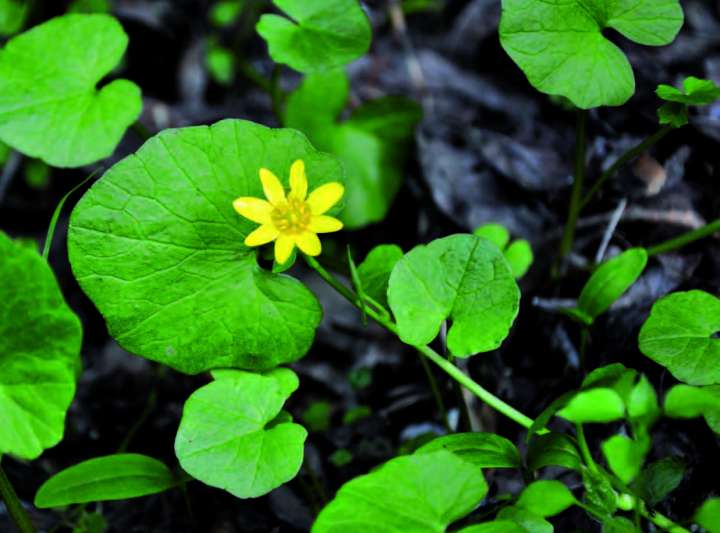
317 35
485 450
422 493
40 342
694 92
679 335
625 456
158 247
594 405
562 50
113 477
226 438
375 270
462 277
50 106
684 401
546 498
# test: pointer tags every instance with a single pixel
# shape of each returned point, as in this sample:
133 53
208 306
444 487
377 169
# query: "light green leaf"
372 143
708 515
224 439
619 524
158 247
113 477
594 405
496 526
659 479
375 270
642 405
546 498
679 335
220 63
50 107
317 34
12 16
553 449
422 493
520 257
486 450
625 456
40 342
495 233
526 521
225 12
610 281
463 278
562 50
695 92
684 401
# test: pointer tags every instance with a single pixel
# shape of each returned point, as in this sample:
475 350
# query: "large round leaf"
40 342
422 493
462 277
228 437
50 107
318 35
157 246
562 50
680 333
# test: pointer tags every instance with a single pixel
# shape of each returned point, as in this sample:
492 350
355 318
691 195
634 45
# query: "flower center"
292 217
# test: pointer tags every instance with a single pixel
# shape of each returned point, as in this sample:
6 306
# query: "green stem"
276 92
449 368
578 181
631 154
585 449
254 76
661 520
685 238
17 512
436 393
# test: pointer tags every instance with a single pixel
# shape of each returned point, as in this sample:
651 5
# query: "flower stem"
578 181
685 238
12 502
623 159
449 368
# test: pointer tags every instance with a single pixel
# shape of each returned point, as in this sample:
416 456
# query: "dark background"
490 148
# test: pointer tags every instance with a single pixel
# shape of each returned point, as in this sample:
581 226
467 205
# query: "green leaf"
317 34
642 405
5 152
375 270
220 63
553 449
158 247
89 6
562 50
625 456
695 92
673 114
595 405
544 417
113 477
495 233
50 107
527 521
684 401
610 281
372 143
520 257
496 526
422 493
12 16
40 340
317 416
599 493
224 439
659 479
37 174
546 498
708 515
619 524
463 278
226 12
678 335
486 450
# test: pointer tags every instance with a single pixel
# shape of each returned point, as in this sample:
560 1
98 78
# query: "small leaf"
317 34
695 92
527 521
684 401
12 16
463 278
673 114
225 12
642 405
224 439
422 493
553 449
599 493
659 479
220 63
594 405
113 477
485 450
708 515
546 498
619 524
544 417
562 50
89 6
495 233
40 341
375 270
66 57
679 335
625 456
610 281
520 257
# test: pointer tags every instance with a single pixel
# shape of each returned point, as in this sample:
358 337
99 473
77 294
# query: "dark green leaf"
659 479
552 449
486 450
695 92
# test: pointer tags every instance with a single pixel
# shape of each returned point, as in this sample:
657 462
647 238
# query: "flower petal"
324 224
283 248
263 235
325 196
309 243
298 180
254 209
274 191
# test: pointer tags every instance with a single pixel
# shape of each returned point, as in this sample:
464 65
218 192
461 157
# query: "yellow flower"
292 220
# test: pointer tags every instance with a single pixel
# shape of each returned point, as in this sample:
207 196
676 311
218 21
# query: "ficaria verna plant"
186 246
